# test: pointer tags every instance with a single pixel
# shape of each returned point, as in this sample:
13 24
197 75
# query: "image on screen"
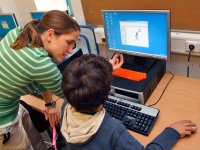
137 32
7 22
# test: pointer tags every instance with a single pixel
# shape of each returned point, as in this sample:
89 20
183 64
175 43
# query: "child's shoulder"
111 128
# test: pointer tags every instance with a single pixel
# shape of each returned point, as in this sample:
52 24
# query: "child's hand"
117 61
184 127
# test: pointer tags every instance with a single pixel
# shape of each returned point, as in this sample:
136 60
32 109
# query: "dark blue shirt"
112 135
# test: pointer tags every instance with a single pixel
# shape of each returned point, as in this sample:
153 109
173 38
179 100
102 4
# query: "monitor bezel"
167 12
36 12
14 19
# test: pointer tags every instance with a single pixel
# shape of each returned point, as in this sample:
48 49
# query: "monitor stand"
139 91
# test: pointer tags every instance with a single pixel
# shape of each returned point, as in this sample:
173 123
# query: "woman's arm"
51 112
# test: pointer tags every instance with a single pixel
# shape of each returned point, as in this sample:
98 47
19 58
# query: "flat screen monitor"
39 14
7 22
138 32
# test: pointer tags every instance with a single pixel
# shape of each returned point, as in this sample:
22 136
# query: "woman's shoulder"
36 52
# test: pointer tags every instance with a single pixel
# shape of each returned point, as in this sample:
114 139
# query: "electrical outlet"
196 45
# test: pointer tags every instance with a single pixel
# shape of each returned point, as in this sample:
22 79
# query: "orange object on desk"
130 74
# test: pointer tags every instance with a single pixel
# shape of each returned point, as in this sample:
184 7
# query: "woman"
25 56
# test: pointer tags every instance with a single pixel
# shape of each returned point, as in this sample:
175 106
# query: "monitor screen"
138 32
39 14
7 22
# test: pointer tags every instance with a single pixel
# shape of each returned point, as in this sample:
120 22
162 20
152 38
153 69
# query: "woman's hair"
87 82
57 20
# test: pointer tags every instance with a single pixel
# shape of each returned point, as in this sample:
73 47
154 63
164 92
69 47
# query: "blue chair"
88 32
84 44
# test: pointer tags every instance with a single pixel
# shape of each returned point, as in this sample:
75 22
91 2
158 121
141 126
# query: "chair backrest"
88 40
84 44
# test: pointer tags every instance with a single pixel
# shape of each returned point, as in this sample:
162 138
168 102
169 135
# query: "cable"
191 48
163 91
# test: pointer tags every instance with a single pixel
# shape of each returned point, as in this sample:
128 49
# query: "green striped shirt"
22 71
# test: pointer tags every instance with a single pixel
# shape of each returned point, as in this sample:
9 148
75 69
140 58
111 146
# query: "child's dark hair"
87 82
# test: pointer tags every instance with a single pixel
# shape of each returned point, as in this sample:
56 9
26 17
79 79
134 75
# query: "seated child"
87 125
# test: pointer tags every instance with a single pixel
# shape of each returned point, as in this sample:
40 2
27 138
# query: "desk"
181 100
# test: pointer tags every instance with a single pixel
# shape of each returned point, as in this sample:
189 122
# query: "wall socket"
196 45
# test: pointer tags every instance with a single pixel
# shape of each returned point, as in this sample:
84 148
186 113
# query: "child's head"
86 83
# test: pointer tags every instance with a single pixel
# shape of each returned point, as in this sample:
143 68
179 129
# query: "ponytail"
29 37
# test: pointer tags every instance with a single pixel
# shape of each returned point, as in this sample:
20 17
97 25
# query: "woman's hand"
184 127
53 115
117 61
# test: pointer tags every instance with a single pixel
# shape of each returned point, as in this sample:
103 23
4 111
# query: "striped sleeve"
49 77
22 71
33 64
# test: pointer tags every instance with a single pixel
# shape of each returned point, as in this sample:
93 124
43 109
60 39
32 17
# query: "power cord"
163 90
191 48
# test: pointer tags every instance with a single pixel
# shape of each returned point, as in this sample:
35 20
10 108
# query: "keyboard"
134 116
130 74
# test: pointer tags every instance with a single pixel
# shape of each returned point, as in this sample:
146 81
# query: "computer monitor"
7 22
39 14
138 32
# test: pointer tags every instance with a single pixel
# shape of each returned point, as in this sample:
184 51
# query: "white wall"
78 11
0 10
9 6
22 8
45 5
25 10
